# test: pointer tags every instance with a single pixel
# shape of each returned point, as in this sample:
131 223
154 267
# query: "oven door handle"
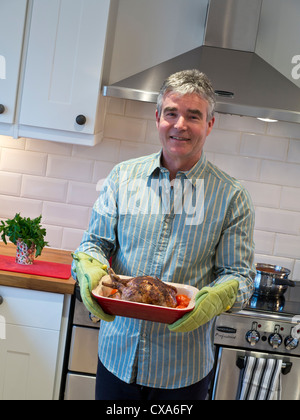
285 369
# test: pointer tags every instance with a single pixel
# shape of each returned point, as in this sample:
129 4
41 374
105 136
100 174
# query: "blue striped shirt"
199 232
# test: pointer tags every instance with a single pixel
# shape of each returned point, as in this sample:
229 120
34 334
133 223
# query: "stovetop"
286 305
265 324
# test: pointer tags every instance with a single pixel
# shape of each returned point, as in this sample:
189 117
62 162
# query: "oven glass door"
227 374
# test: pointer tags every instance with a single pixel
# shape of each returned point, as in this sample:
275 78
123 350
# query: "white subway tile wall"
61 181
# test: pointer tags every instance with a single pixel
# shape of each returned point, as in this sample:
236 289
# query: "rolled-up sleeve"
99 240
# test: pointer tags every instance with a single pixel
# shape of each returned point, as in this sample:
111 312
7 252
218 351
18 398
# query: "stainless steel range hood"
245 84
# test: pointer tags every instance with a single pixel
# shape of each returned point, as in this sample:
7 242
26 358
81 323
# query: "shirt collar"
155 164
196 172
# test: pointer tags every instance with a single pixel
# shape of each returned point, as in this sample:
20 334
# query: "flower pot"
24 255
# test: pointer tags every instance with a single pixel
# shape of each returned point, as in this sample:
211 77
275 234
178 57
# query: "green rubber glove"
89 271
210 302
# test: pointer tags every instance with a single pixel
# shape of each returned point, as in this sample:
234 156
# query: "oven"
269 329
82 357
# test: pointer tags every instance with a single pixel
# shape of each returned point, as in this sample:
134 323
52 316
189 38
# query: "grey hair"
189 81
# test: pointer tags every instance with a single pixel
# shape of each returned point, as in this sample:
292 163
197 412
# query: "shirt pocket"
197 245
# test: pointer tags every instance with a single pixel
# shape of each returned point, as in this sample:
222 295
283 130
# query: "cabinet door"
31 308
30 324
64 64
28 363
12 22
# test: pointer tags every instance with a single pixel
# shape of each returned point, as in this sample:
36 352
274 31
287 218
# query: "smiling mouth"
179 138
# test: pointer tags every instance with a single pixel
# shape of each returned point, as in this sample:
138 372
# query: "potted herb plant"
27 234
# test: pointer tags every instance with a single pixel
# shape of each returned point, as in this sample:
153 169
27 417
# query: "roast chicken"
143 289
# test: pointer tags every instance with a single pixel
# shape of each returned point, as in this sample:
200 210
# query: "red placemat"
38 268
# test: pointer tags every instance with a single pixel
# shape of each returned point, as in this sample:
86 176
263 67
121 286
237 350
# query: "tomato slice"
113 292
182 301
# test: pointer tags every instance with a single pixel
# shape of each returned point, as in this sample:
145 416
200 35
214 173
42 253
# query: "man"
176 216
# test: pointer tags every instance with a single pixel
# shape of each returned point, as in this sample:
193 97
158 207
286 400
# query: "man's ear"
210 125
157 118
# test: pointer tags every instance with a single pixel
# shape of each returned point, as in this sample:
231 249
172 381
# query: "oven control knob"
295 332
252 337
275 340
291 343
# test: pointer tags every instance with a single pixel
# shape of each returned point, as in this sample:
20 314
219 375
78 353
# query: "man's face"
183 128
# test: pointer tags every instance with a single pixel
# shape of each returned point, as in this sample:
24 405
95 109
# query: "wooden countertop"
33 282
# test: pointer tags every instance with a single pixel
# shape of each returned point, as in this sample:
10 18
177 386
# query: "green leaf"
29 230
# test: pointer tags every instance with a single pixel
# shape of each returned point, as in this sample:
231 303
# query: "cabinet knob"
1 300
2 108
81 119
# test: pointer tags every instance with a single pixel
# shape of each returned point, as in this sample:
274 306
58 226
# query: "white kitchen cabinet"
63 71
12 23
29 343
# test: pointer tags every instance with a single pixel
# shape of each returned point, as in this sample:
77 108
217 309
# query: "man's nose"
180 123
